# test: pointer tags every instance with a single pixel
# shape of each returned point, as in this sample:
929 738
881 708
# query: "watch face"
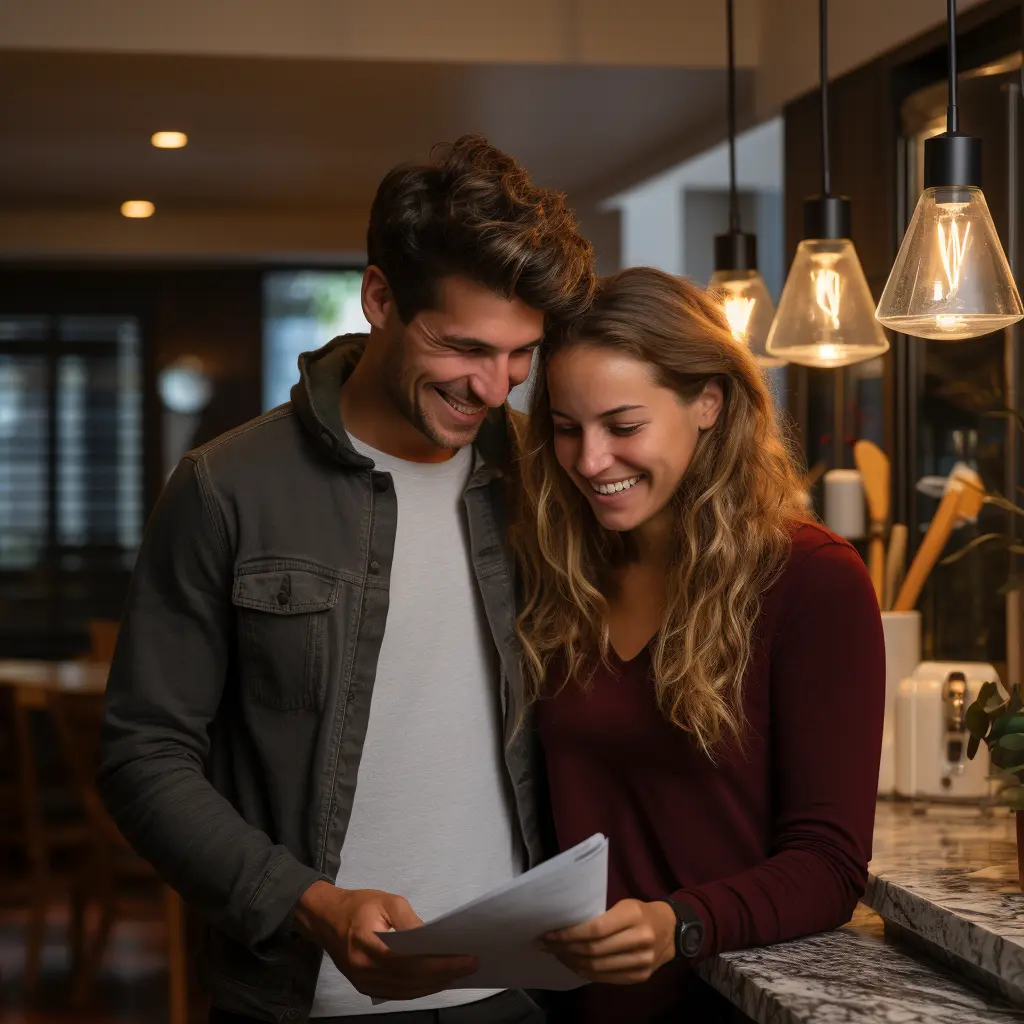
693 938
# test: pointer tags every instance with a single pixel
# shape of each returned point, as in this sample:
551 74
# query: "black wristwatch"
689 929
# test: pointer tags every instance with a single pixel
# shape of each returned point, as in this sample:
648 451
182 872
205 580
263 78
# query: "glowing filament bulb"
827 287
738 310
952 249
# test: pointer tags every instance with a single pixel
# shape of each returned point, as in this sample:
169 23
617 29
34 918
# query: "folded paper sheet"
501 928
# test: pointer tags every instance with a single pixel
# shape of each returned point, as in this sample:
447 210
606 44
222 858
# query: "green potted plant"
998 722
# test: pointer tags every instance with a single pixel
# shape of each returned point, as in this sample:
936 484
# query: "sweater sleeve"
827 703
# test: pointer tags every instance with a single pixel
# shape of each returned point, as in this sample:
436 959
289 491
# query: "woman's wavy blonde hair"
736 507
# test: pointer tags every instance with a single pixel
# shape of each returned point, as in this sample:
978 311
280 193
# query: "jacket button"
375 567
381 483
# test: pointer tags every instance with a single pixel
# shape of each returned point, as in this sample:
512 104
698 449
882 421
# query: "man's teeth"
466 410
619 485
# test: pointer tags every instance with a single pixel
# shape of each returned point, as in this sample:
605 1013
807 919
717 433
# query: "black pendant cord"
826 175
952 114
734 205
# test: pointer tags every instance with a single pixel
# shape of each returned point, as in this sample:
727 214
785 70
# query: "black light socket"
952 159
736 250
827 217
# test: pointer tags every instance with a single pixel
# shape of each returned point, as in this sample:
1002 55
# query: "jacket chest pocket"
282 616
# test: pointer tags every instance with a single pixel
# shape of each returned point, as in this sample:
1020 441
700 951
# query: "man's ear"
376 297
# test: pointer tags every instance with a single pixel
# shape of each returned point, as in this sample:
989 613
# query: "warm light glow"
137 208
738 310
169 140
827 289
952 248
951 280
748 310
826 313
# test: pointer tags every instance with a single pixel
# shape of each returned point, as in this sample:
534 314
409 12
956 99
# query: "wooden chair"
44 838
114 868
102 639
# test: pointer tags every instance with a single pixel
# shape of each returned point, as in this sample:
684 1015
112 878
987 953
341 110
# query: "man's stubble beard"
401 386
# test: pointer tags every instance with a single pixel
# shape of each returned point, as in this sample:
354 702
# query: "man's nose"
491 383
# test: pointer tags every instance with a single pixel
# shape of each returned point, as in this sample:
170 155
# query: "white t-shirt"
433 817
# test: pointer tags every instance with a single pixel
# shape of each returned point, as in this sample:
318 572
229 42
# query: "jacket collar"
315 400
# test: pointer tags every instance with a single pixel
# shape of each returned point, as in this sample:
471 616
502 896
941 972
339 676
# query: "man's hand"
624 946
343 922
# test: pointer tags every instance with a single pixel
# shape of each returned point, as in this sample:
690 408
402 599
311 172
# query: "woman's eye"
625 431
565 430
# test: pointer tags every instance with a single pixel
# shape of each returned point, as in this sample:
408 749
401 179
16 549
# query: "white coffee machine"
931 733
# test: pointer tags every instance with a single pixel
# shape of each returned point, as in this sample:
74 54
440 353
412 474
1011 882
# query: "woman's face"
625 440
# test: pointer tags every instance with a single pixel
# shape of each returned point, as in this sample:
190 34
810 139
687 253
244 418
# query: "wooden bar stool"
114 868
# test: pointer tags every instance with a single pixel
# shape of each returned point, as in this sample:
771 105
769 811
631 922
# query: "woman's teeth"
619 485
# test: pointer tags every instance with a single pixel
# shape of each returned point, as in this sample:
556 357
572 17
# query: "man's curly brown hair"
473 212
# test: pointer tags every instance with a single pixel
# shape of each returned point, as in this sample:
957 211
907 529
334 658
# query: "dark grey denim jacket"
240 691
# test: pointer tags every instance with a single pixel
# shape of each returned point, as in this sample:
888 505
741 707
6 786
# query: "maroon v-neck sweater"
773 841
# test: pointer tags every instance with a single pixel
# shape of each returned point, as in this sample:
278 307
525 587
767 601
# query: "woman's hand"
624 946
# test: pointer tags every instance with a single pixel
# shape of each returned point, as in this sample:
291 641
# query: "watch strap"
689 933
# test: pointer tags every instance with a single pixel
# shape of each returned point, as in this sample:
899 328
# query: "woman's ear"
709 405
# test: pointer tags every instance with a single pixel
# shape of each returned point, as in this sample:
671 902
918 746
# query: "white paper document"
501 928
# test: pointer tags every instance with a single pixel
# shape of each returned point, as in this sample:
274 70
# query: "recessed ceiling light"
169 140
137 208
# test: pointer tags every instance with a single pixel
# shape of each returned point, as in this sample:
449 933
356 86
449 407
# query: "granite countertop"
949 878
854 975
950 949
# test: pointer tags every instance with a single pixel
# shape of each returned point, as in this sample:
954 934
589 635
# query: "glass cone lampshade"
826 315
749 309
950 280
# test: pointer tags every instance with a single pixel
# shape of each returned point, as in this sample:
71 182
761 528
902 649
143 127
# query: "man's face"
447 366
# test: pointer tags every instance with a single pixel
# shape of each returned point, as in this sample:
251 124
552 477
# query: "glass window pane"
99 453
24 445
24 328
302 310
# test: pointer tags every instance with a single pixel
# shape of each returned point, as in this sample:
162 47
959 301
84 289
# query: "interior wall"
859 30
672 33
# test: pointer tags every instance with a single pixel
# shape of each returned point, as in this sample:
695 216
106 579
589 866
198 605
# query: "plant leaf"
1004 503
1006 724
996 706
1012 741
1016 703
1003 758
985 538
1006 414
1013 798
977 721
972 747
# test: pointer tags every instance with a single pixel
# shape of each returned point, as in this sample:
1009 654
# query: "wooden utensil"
874 470
895 564
963 500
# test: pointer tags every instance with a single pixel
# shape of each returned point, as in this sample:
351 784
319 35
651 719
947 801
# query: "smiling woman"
680 614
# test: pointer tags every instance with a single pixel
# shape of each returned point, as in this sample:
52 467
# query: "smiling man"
311 717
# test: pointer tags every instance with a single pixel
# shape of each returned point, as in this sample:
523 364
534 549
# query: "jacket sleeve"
165 686
828 697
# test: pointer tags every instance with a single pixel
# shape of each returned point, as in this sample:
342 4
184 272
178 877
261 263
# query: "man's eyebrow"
466 341
604 415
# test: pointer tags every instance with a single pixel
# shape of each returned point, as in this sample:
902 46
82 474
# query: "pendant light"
950 280
826 313
736 282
